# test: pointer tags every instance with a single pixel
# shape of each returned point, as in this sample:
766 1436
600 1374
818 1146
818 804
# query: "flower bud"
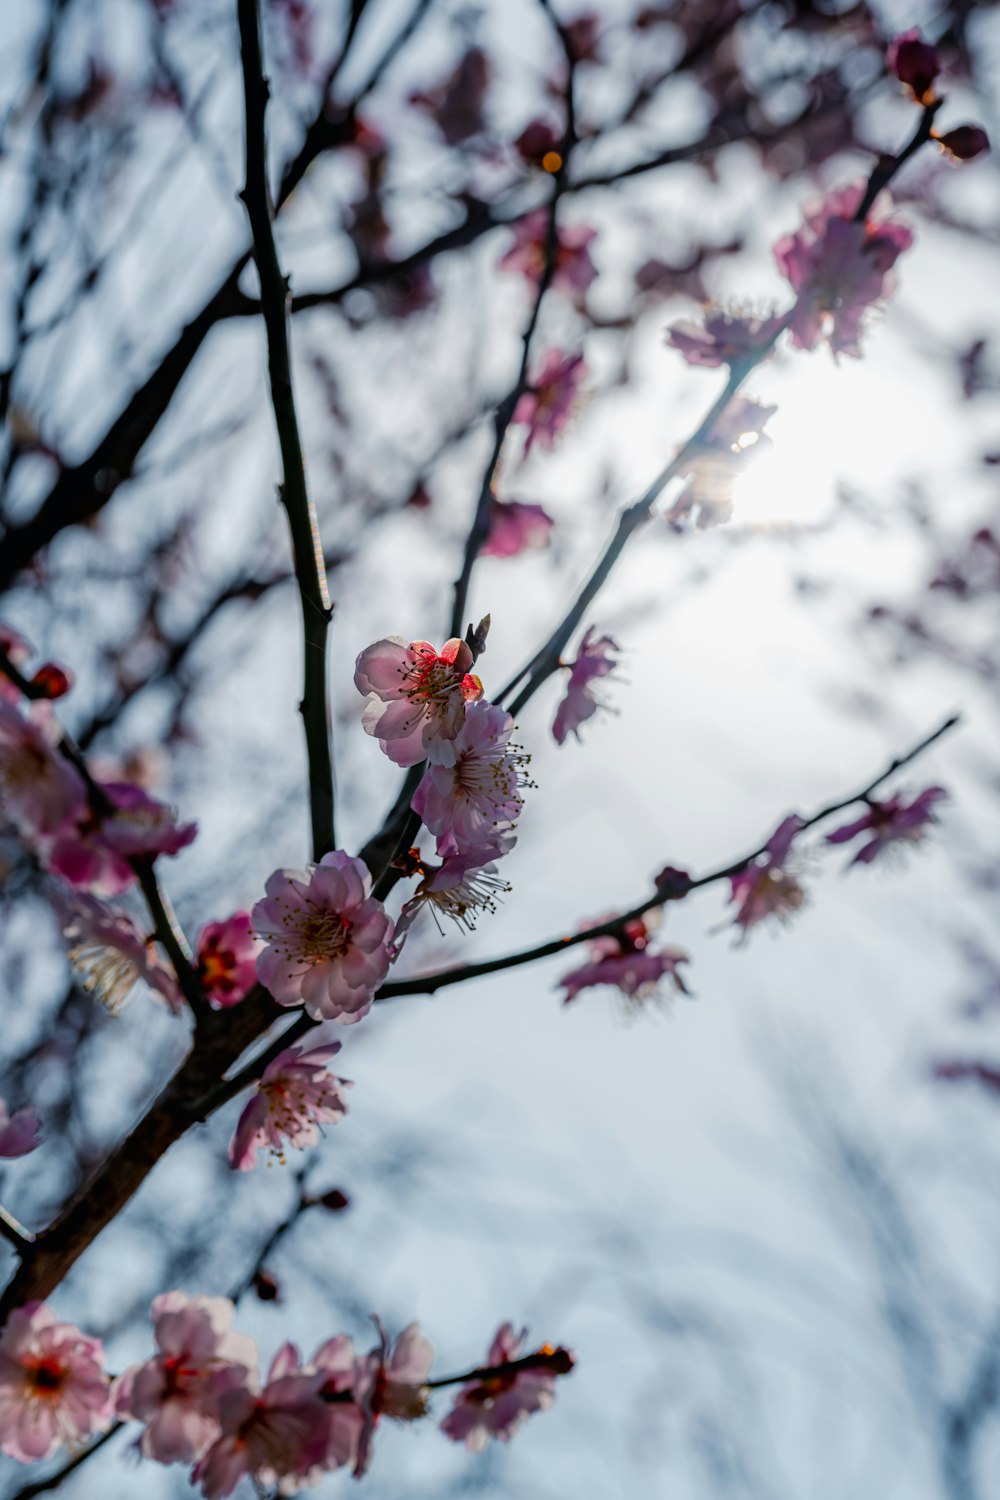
965 142
51 681
915 63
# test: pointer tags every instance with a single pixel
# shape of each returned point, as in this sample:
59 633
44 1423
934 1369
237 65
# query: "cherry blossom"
627 963
574 270
915 63
111 955
39 788
416 694
516 527
53 1388
470 794
335 1362
736 437
18 1131
495 1406
549 402
280 1432
594 661
766 888
327 938
295 1096
95 853
461 887
392 1383
889 823
839 268
227 959
177 1392
724 338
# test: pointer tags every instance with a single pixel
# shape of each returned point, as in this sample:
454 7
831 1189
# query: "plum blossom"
594 661
495 1406
327 938
461 887
574 270
549 402
839 268
627 963
335 1361
470 794
391 1382
416 695
227 959
18 1131
736 437
280 1432
39 788
889 823
177 1392
111 955
724 338
516 527
295 1096
765 887
97 851
457 104
53 1388
915 63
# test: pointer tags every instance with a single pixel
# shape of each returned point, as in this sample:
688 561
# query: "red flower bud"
915 63
51 681
965 142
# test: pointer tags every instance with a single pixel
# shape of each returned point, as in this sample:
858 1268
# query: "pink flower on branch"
839 269
461 887
177 1392
53 1388
766 888
915 63
96 852
548 404
574 270
227 959
111 955
19 1132
713 469
594 661
391 1382
889 823
516 527
495 1406
470 794
416 695
627 963
39 789
279 1433
295 1096
327 938
724 338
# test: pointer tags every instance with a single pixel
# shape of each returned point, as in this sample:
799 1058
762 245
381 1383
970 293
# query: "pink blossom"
96 853
295 1096
891 822
626 962
915 63
416 694
39 789
227 959
574 270
461 887
53 1388
736 437
19 652
18 1131
550 400
111 955
327 938
724 338
766 888
456 105
392 1383
515 527
594 660
495 1406
839 268
177 1392
336 1362
470 794
278 1433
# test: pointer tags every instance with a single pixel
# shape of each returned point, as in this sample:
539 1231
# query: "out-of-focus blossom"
279 1433
965 142
392 1383
889 823
495 1406
470 794
457 105
724 338
516 527
39 789
335 1361
713 469
766 888
177 1392
965 1070
594 661
574 270
839 268
19 652
18 1131
297 1094
111 955
460 888
915 63
53 1388
416 695
627 963
327 938
548 404
95 852
538 145
227 959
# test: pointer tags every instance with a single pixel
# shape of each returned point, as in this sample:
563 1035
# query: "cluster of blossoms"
201 1401
625 961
